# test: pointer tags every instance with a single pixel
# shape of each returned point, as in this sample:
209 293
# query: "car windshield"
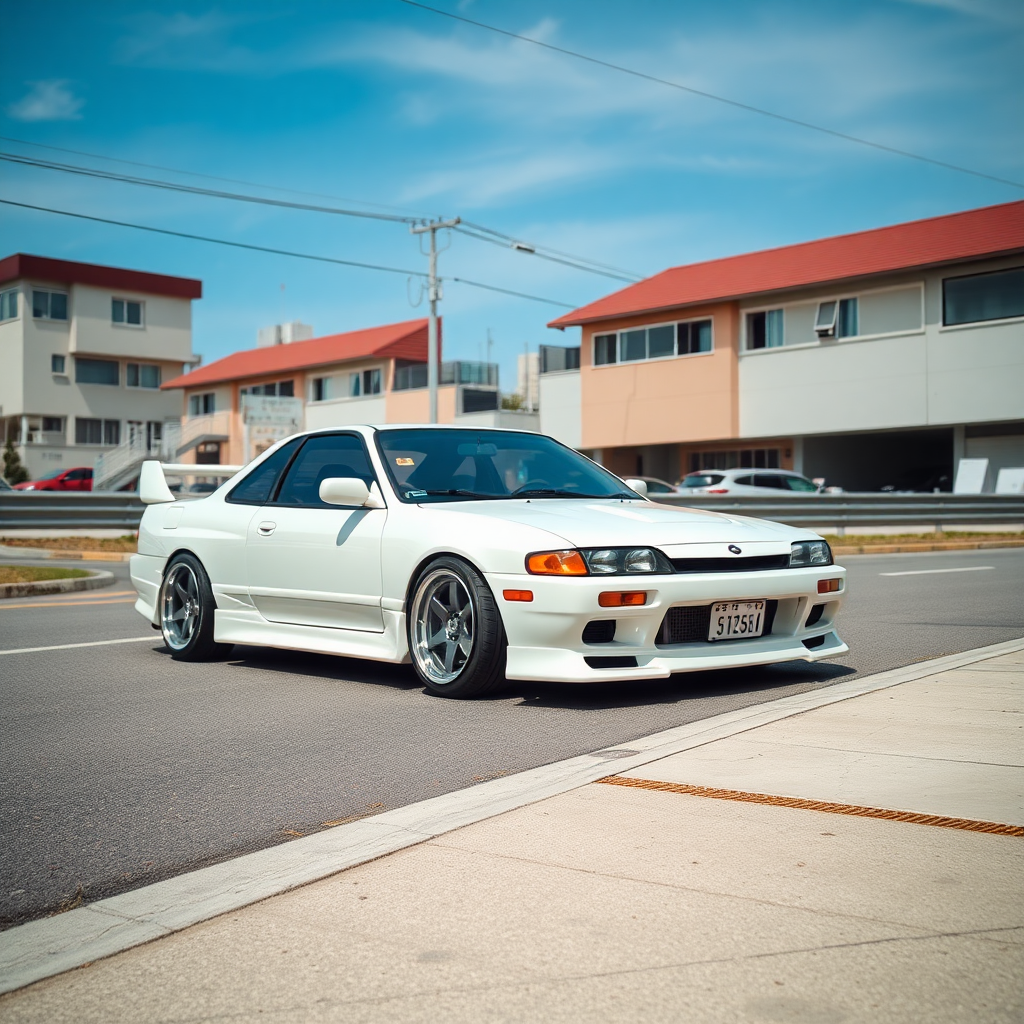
463 464
49 476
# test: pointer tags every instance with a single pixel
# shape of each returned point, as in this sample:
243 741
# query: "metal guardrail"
838 511
54 509
42 510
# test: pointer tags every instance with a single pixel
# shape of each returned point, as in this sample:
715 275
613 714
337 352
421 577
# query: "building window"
321 389
106 432
661 342
693 337
49 305
280 389
57 364
766 329
202 405
365 383
97 371
604 349
53 424
126 311
837 318
980 297
847 325
739 458
142 375
9 304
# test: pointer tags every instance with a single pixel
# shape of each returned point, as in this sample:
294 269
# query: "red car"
77 479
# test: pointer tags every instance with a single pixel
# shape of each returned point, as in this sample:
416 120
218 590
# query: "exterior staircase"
118 468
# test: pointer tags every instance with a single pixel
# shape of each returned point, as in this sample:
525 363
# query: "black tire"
450 659
185 606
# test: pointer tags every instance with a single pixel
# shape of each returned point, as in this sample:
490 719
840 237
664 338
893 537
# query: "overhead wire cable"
750 108
280 252
210 177
171 186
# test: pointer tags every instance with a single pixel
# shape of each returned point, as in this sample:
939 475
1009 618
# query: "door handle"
266 529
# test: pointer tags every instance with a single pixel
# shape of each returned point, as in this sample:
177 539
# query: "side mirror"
350 490
640 486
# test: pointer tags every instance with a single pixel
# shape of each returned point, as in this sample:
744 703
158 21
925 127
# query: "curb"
99 578
41 949
8 551
939 545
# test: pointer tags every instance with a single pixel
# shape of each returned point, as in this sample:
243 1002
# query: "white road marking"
928 572
91 643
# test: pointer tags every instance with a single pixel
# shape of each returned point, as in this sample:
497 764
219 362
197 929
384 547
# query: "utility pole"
434 294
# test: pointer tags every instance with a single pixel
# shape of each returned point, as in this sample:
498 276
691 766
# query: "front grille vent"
599 631
755 563
690 624
815 615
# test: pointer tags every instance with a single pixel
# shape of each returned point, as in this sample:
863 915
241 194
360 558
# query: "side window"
770 480
324 456
798 483
258 486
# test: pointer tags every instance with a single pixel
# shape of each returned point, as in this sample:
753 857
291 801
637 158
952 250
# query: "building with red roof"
875 358
238 406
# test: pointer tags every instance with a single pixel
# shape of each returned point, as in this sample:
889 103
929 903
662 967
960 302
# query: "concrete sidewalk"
621 902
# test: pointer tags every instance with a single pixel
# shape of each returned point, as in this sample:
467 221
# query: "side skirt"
235 626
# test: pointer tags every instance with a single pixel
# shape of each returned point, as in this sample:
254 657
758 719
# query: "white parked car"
478 555
767 482
655 487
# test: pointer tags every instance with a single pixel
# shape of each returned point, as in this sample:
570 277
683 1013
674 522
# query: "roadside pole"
434 295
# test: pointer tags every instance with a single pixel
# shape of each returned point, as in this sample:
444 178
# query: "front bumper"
545 636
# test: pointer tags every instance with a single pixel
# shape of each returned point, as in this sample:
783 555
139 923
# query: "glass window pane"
682 339
374 388
111 431
58 306
634 345
97 371
209 402
286 389
756 330
847 327
773 328
149 376
355 383
134 310
40 304
604 349
982 297
323 457
57 364
117 311
131 376
826 315
258 486
700 336
88 431
660 342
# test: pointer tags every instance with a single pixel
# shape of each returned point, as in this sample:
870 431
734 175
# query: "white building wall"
918 374
561 413
166 333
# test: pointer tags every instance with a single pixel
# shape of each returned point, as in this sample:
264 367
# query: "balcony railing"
459 371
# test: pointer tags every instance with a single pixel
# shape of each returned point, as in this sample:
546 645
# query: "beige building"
84 350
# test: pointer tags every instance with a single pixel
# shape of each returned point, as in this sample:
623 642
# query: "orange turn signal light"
829 586
616 599
517 595
556 563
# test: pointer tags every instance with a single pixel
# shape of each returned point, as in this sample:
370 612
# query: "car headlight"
810 552
626 561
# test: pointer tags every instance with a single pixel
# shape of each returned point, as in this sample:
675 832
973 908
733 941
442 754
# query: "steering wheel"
531 485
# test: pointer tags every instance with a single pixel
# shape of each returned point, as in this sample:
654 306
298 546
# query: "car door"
314 564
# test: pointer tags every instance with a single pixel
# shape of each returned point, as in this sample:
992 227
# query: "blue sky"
375 102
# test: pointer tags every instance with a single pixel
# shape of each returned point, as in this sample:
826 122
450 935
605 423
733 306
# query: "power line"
130 179
200 174
279 252
719 99
577 263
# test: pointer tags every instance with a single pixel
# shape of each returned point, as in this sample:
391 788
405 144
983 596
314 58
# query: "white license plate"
734 620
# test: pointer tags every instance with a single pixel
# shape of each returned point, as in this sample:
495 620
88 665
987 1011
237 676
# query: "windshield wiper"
454 492
557 492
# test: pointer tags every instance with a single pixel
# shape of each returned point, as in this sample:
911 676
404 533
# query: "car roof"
747 469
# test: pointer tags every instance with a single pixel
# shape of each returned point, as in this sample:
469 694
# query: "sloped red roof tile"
974 233
407 340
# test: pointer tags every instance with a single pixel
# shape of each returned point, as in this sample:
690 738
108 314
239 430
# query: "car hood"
615 523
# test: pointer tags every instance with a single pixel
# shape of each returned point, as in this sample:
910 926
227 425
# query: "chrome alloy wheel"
179 606
443 626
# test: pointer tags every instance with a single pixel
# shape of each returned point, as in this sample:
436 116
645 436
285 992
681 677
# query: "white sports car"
479 555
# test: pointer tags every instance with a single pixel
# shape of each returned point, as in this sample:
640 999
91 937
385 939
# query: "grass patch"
35 574
870 539
127 543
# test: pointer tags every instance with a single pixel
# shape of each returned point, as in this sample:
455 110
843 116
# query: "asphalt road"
121 767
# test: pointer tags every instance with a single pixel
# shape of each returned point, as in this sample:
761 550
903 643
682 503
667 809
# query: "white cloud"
189 42
48 100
